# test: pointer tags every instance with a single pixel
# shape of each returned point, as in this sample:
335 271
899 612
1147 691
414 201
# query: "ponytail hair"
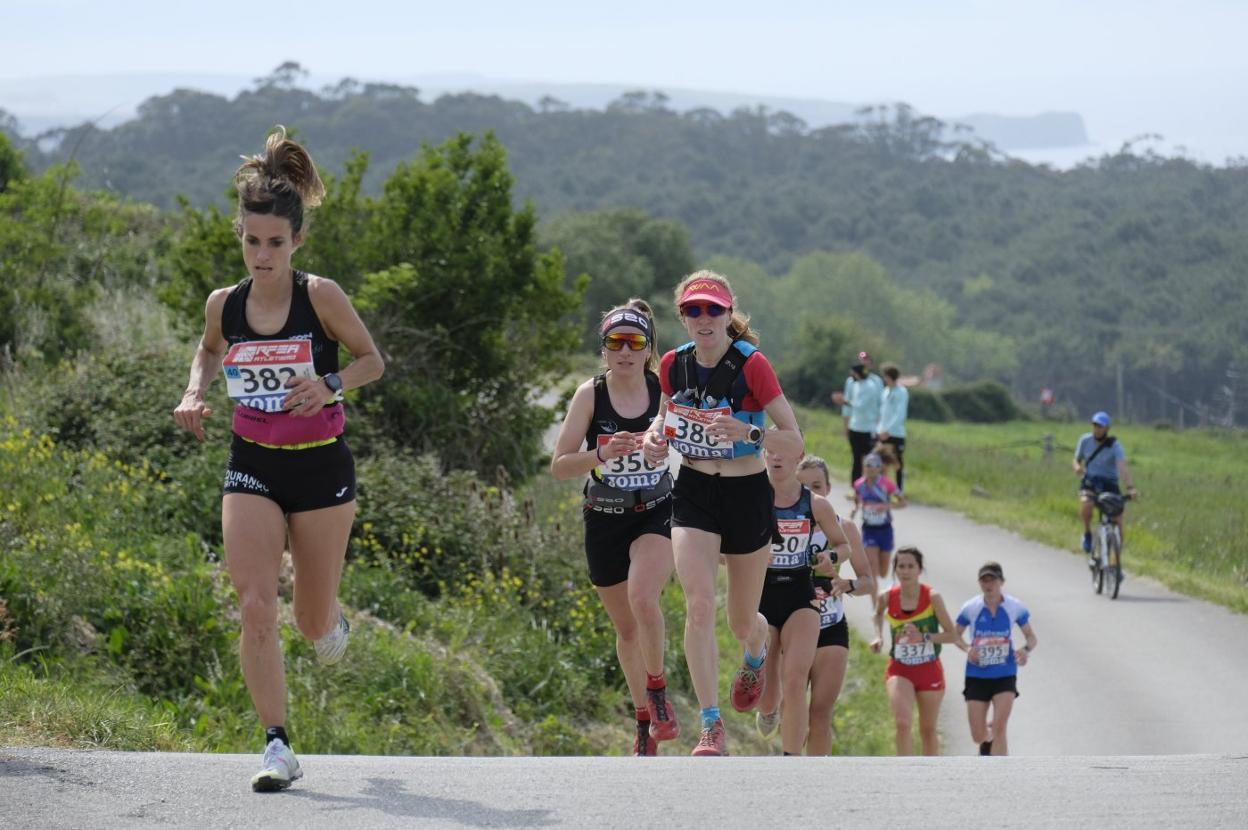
738 321
643 308
282 181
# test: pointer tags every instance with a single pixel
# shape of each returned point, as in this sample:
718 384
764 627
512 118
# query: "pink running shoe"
663 725
712 741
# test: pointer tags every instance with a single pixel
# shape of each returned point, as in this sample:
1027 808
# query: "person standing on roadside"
860 410
718 389
992 662
894 407
628 508
290 475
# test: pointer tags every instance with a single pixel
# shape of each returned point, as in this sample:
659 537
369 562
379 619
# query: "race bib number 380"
256 373
685 429
630 472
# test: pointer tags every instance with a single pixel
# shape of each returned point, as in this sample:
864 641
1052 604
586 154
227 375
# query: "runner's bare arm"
947 633
569 459
1025 652
786 437
191 411
654 445
881 603
341 323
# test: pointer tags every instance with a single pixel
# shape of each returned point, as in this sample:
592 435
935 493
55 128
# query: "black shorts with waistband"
738 508
297 480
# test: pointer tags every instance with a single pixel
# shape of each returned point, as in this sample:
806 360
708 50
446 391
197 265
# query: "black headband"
626 317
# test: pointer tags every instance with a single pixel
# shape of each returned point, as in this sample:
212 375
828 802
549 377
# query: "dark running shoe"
663 725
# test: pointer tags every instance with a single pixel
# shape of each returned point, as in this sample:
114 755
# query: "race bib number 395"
992 651
685 429
630 472
256 372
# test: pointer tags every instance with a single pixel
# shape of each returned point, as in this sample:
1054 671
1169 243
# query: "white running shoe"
331 647
280 768
767 724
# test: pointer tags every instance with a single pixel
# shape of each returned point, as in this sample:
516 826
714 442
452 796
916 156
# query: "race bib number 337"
256 373
685 429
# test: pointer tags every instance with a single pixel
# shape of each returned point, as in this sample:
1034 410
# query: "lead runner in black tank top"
290 475
627 508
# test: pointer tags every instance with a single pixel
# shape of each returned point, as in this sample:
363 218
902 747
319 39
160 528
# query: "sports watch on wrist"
333 383
755 434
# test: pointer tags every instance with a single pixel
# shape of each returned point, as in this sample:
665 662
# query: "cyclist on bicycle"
1101 463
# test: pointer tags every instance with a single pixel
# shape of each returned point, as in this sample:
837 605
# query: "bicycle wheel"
1098 572
1113 570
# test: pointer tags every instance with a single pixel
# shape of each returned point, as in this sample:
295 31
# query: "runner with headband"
627 508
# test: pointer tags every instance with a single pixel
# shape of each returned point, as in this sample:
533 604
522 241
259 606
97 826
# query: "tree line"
1123 273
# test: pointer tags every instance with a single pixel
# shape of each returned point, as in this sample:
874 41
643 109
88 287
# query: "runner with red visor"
717 390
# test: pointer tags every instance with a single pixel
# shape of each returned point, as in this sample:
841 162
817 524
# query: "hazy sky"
1179 68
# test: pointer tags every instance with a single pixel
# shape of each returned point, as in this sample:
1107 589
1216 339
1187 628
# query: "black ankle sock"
278 732
985 748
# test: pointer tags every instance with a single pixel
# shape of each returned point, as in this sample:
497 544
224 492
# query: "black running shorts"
986 688
297 480
738 509
784 595
836 634
608 539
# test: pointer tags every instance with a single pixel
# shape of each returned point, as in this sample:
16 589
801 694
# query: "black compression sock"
985 748
278 732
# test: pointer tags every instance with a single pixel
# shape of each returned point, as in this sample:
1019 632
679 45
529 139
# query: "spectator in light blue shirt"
860 410
894 406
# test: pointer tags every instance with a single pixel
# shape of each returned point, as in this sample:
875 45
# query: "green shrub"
926 405
983 402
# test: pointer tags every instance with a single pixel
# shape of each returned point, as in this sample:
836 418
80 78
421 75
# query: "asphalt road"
1151 673
46 788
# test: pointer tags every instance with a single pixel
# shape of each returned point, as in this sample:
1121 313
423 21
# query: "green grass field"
1188 529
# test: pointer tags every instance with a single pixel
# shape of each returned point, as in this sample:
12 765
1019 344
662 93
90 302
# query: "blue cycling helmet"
1101 419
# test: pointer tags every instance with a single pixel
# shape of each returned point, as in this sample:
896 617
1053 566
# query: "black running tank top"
301 323
606 421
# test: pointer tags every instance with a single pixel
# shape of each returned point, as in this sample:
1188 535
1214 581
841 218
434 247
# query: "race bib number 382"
256 373
685 429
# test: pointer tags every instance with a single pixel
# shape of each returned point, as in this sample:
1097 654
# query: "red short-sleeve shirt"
760 379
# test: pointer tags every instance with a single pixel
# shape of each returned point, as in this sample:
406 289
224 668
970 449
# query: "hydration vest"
726 386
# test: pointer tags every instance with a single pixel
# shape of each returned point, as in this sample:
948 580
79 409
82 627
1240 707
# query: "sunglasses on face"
989 578
699 310
635 342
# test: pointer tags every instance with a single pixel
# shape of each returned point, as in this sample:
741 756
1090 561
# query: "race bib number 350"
256 373
685 429
630 472
792 550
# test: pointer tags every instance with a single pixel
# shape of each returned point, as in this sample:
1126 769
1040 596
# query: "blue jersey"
1105 465
990 635
862 402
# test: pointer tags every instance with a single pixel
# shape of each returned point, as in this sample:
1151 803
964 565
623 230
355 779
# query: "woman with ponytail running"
717 391
290 473
627 508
